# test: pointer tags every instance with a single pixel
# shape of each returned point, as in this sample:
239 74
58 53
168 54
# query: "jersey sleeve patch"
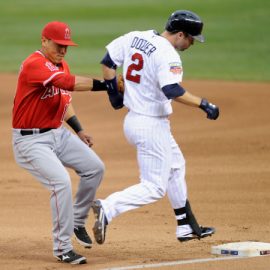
175 67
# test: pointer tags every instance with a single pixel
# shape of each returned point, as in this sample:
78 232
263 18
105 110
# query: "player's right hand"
88 140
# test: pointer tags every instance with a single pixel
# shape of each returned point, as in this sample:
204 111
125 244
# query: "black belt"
34 131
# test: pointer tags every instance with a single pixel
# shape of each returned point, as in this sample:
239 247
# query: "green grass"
237 37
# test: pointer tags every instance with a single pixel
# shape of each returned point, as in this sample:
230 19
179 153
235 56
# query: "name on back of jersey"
143 45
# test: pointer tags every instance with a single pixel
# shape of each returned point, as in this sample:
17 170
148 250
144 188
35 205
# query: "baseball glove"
121 83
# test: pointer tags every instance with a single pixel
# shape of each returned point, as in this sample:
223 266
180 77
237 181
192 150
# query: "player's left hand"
211 110
88 140
120 83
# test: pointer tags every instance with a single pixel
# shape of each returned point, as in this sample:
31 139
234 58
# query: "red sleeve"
45 73
63 81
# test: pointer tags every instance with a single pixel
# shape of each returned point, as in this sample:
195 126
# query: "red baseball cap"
58 32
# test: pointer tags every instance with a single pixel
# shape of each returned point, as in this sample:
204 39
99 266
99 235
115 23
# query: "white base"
242 249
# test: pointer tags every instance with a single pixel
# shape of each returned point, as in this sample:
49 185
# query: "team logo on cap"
67 33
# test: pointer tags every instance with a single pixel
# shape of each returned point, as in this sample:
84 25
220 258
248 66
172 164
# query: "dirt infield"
228 176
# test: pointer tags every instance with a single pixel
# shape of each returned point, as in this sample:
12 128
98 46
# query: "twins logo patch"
175 68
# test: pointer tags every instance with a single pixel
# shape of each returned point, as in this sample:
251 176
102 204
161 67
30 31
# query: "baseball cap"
58 32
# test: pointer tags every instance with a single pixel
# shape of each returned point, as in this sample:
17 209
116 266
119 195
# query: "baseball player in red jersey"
153 73
44 147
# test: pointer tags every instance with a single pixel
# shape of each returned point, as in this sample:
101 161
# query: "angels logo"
67 33
53 91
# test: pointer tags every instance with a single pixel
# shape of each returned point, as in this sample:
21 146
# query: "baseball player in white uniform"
153 73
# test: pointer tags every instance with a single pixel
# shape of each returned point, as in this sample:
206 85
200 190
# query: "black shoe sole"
78 261
86 245
196 237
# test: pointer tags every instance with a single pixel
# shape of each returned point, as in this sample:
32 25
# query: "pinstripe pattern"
161 163
146 97
146 58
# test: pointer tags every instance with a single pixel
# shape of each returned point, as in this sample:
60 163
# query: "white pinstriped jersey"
149 62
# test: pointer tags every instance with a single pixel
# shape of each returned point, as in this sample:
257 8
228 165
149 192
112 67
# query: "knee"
62 184
161 191
99 168
94 172
157 191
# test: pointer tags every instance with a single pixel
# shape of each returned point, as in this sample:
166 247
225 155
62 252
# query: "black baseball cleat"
206 231
82 237
72 258
99 228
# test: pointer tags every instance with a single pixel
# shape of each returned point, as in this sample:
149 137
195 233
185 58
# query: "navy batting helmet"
185 21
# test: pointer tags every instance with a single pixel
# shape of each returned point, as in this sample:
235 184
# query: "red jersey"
38 103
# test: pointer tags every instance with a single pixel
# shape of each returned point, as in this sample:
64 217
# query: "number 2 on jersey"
134 68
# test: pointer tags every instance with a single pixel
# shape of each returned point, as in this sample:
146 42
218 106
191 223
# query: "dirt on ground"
228 177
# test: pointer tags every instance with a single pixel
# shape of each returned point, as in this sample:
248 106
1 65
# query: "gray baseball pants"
45 156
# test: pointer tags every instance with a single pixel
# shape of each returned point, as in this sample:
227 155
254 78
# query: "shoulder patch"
175 67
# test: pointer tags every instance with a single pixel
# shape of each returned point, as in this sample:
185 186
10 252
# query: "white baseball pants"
161 165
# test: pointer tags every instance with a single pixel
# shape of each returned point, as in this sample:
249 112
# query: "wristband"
74 123
204 104
99 85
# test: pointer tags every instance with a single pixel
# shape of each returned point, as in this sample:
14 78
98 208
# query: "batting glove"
211 110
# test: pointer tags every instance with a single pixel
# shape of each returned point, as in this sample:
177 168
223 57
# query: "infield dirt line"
173 263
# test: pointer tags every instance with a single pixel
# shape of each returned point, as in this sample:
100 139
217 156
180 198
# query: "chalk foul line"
173 263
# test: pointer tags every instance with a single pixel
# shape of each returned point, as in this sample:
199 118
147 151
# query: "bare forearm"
211 110
83 83
69 113
189 99
72 120
108 73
